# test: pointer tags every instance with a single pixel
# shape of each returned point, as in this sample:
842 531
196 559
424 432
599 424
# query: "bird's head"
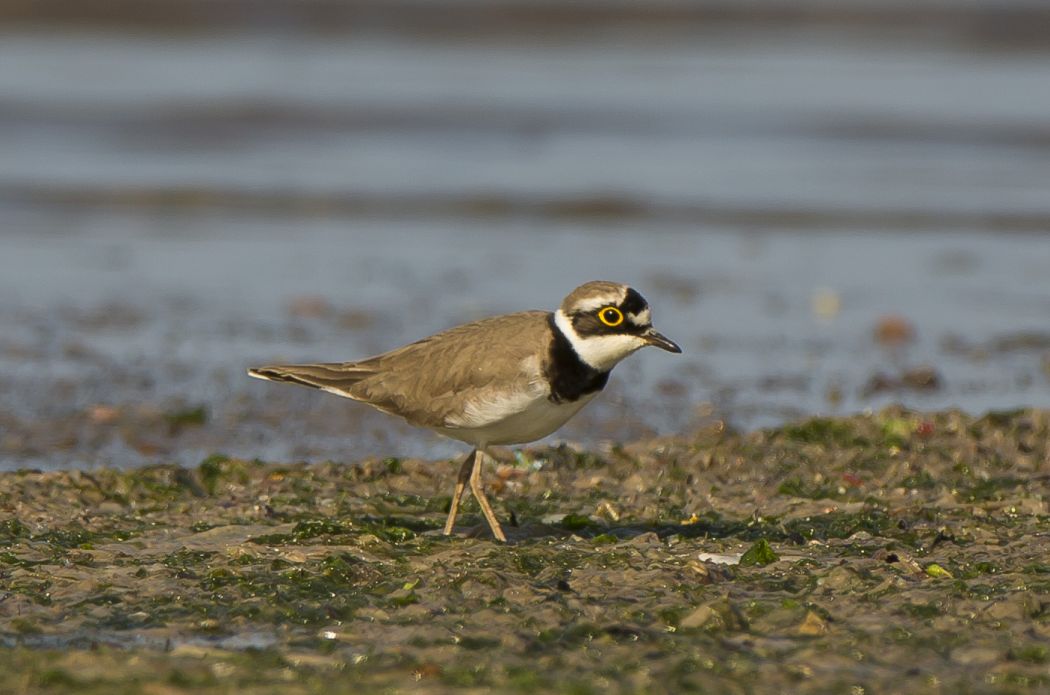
606 321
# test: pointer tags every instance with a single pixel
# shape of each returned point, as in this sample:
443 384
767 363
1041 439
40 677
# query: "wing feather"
428 382
334 377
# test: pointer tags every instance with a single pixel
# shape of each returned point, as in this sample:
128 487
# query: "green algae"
821 431
935 570
760 554
576 522
306 530
12 529
192 416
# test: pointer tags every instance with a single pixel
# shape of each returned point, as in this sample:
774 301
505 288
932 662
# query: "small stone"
1006 611
812 625
841 579
720 558
697 618
975 656
313 660
103 414
309 307
607 510
892 330
700 570
825 303
921 379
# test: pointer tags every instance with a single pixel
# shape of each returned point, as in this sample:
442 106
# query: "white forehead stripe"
595 303
642 318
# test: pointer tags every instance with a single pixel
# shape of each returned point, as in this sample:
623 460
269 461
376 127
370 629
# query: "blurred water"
176 208
812 124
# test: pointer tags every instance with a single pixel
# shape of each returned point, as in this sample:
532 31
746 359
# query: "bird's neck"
570 376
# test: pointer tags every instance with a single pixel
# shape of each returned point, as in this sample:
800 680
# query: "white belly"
528 421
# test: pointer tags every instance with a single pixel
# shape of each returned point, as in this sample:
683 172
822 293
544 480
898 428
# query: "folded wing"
430 382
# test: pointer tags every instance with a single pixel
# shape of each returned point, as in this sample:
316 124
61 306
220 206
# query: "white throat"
602 352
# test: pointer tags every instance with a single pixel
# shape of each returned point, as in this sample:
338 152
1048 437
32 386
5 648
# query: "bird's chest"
516 420
542 417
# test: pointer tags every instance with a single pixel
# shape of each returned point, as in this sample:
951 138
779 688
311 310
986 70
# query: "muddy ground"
885 553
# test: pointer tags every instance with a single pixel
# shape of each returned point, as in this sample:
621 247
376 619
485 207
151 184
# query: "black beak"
655 338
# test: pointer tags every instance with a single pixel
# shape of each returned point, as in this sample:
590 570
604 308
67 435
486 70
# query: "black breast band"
570 377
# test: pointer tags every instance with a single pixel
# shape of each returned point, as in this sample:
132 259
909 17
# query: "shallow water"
174 209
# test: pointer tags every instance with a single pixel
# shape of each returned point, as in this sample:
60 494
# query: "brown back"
426 381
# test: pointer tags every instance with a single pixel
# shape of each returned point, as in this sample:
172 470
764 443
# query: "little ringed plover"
508 379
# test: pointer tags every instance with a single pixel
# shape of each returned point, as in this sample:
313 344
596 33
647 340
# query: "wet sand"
895 552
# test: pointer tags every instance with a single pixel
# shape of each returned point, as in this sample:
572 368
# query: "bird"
504 380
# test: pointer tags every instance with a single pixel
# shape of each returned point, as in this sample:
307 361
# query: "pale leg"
461 486
483 502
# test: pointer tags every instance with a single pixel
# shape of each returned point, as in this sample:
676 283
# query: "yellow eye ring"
611 316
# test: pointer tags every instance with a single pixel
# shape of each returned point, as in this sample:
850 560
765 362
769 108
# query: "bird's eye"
611 316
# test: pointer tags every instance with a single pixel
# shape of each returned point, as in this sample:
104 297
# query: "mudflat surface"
893 552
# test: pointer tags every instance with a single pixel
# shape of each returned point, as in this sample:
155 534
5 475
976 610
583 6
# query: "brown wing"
425 382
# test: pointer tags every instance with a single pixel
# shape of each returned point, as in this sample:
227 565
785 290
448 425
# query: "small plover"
508 379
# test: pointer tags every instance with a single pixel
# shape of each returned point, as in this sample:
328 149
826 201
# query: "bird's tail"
334 377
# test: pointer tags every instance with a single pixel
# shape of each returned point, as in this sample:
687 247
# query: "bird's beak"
655 338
